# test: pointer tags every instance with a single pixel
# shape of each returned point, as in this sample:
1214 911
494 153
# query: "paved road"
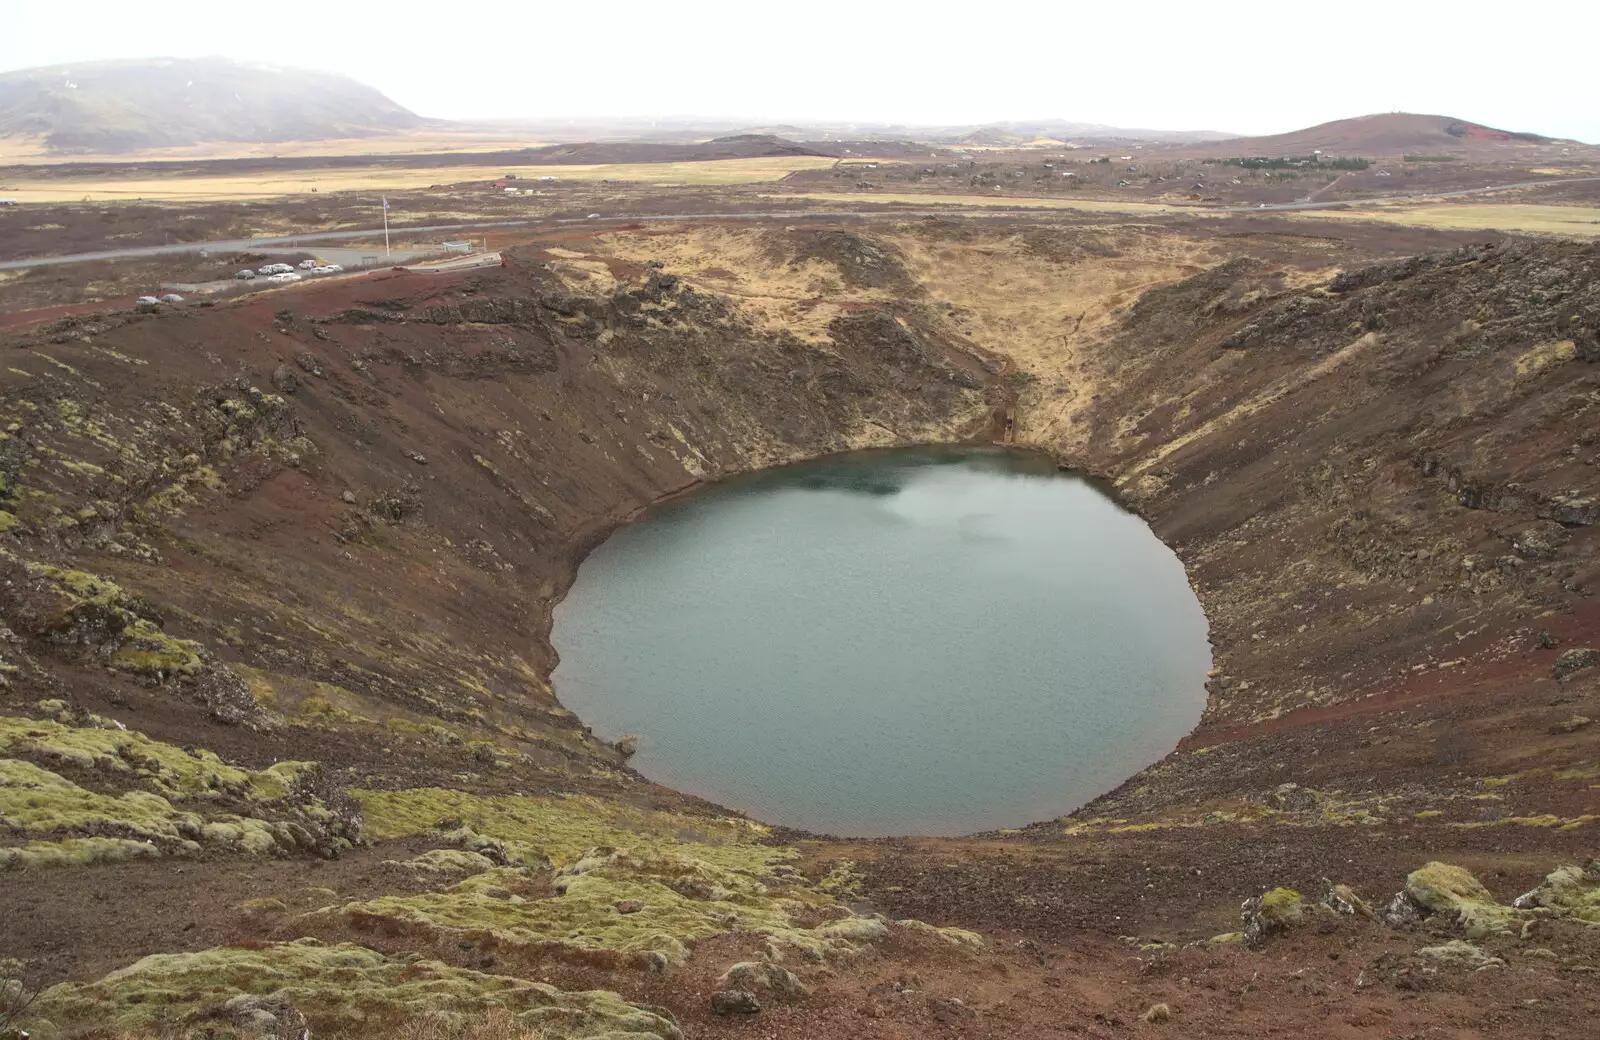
289 243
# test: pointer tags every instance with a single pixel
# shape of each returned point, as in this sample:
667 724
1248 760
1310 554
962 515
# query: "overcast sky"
1237 65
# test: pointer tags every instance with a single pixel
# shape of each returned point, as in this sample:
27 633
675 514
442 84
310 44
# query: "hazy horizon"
1254 69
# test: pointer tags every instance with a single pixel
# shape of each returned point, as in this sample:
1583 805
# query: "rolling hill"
1390 133
121 106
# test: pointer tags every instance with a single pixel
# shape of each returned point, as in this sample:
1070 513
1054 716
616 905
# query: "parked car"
322 269
335 268
594 216
172 297
308 265
245 275
146 303
276 269
284 277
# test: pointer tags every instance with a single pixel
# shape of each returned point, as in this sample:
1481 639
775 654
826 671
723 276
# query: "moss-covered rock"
763 976
96 614
957 937
186 800
1568 891
1271 912
1460 954
451 861
345 989
197 775
1453 895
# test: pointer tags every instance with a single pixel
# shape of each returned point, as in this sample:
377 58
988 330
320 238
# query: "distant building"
458 247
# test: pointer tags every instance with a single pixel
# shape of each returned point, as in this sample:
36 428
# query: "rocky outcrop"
1574 508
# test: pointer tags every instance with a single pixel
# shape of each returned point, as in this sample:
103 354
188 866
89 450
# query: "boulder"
1541 541
284 380
1575 660
1342 899
1568 891
1451 895
1271 912
1158 1013
266 1017
1293 798
763 975
735 1002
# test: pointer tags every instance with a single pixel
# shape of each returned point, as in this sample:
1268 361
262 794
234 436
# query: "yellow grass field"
301 182
1527 218
985 201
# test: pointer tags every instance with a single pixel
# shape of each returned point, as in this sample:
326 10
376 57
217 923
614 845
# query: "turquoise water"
919 641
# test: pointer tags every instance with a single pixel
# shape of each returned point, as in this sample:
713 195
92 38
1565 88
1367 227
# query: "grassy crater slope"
279 745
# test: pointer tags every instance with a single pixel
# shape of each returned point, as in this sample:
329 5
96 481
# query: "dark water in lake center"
919 641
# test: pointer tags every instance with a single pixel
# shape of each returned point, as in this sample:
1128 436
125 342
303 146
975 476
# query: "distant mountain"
691 128
125 106
1392 133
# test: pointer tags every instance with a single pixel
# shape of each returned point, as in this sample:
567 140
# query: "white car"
284 277
172 297
335 268
594 216
276 269
308 265
245 275
146 303
323 269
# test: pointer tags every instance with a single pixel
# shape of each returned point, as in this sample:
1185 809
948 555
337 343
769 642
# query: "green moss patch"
96 612
342 989
190 800
669 901
196 775
600 880
562 829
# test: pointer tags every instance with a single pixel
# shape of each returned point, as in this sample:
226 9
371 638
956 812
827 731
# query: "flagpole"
385 225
